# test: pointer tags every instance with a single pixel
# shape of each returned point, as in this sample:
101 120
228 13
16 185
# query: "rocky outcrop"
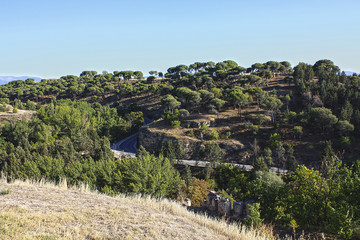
152 138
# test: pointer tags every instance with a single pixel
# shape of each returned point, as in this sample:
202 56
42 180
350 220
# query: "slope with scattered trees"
305 119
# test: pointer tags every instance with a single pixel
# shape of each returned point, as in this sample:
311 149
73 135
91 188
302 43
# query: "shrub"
253 220
274 140
226 135
3 108
297 131
344 142
197 191
184 113
214 135
175 123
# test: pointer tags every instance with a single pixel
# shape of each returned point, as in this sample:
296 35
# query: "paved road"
128 145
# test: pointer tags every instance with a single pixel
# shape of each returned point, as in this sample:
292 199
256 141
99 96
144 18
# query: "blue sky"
57 38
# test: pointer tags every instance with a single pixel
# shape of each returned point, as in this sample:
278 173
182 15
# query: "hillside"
45 211
305 119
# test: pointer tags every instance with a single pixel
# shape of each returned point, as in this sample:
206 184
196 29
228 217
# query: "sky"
55 38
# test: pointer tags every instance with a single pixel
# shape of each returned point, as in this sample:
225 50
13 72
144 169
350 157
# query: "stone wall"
222 206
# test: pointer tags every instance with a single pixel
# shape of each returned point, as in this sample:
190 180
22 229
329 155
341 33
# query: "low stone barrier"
238 208
222 206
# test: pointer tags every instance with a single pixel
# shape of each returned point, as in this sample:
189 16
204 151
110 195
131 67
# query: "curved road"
128 145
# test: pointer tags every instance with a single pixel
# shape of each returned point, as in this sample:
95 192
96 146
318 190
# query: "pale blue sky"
55 38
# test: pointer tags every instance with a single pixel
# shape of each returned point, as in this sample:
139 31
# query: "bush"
175 123
184 113
253 220
274 140
3 108
197 191
297 131
226 135
214 135
344 142
15 110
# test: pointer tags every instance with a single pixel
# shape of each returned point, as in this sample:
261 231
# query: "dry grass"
41 210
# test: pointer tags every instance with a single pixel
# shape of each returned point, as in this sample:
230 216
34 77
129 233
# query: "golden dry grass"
40 210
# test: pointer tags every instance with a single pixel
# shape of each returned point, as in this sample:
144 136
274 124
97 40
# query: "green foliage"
260 164
253 220
322 118
3 108
170 103
297 131
226 135
212 153
344 142
274 140
173 118
344 127
237 97
231 179
149 175
214 135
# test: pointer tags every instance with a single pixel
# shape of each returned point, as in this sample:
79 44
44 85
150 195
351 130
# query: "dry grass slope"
41 210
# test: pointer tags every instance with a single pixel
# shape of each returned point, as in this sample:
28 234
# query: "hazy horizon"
57 38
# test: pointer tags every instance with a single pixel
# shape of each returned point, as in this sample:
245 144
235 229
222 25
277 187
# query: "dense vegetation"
70 137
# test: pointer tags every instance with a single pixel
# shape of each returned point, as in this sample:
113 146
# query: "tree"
325 65
213 153
279 153
253 79
257 67
206 96
344 127
218 103
347 111
322 118
138 75
127 75
291 162
258 93
272 103
197 191
273 67
260 164
239 98
170 103
153 73
149 175
217 92
177 72
285 66
187 96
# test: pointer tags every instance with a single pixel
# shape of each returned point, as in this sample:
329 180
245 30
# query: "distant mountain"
349 73
7 79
